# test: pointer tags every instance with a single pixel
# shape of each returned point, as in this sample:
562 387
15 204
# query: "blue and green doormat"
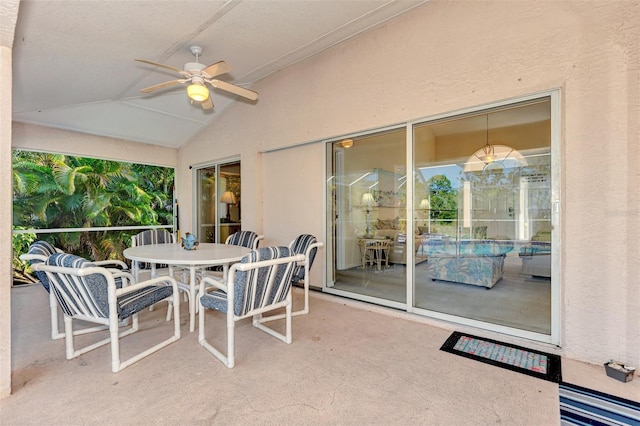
582 406
516 358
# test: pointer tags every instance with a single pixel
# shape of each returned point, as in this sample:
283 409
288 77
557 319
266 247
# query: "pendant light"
488 152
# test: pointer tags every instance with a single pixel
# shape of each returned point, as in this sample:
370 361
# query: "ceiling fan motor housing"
194 67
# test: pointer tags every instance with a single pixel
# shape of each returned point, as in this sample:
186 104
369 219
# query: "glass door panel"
368 218
207 208
482 193
229 203
482 219
218 197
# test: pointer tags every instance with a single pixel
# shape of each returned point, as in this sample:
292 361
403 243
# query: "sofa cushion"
387 233
468 248
387 223
535 248
542 236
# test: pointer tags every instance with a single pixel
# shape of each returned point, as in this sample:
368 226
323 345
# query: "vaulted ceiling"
74 68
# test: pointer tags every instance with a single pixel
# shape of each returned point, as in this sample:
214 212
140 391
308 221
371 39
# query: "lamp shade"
367 199
198 92
424 204
228 198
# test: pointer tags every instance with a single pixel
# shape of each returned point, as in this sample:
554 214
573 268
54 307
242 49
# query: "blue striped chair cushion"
300 246
136 301
258 278
89 294
243 239
152 236
44 249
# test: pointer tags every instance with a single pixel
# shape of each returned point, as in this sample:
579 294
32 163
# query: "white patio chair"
148 237
306 245
39 252
261 282
89 293
157 236
247 239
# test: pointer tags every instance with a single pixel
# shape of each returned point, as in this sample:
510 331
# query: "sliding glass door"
483 192
368 190
465 232
218 201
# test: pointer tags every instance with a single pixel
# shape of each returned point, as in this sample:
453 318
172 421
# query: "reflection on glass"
368 192
218 202
489 194
481 217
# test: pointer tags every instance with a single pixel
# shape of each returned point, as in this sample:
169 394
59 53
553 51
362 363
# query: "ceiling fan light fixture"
198 92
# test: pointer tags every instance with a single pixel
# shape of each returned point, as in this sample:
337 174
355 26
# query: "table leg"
387 252
225 272
192 298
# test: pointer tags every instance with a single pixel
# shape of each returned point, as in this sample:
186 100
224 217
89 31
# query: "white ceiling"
74 68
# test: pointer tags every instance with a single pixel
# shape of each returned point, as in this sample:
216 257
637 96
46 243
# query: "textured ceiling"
74 68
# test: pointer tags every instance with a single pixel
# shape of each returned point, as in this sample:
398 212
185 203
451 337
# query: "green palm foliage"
59 191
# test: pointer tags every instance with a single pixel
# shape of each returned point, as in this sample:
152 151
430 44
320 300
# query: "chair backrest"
262 286
247 239
152 236
77 295
39 252
149 237
300 246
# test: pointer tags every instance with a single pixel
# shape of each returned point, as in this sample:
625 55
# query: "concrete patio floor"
349 363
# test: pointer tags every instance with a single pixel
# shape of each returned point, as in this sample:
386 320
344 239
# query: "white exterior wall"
445 56
8 19
46 139
6 208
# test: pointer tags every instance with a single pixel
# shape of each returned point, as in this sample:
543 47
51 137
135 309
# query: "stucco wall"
446 56
47 139
5 221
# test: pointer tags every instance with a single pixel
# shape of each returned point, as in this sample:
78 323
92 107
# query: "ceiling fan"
197 74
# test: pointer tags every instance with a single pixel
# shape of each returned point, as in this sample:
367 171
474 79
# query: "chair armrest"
307 254
30 257
119 263
254 265
312 246
128 277
211 282
111 276
148 283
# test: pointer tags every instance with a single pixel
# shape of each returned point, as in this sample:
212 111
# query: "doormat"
582 406
516 358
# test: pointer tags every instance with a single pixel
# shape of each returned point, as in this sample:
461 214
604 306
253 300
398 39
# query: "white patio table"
207 254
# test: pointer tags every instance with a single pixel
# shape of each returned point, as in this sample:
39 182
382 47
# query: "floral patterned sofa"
475 262
536 255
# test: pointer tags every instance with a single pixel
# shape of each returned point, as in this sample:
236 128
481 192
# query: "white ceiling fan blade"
178 70
216 69
162 85
208 104
245 93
